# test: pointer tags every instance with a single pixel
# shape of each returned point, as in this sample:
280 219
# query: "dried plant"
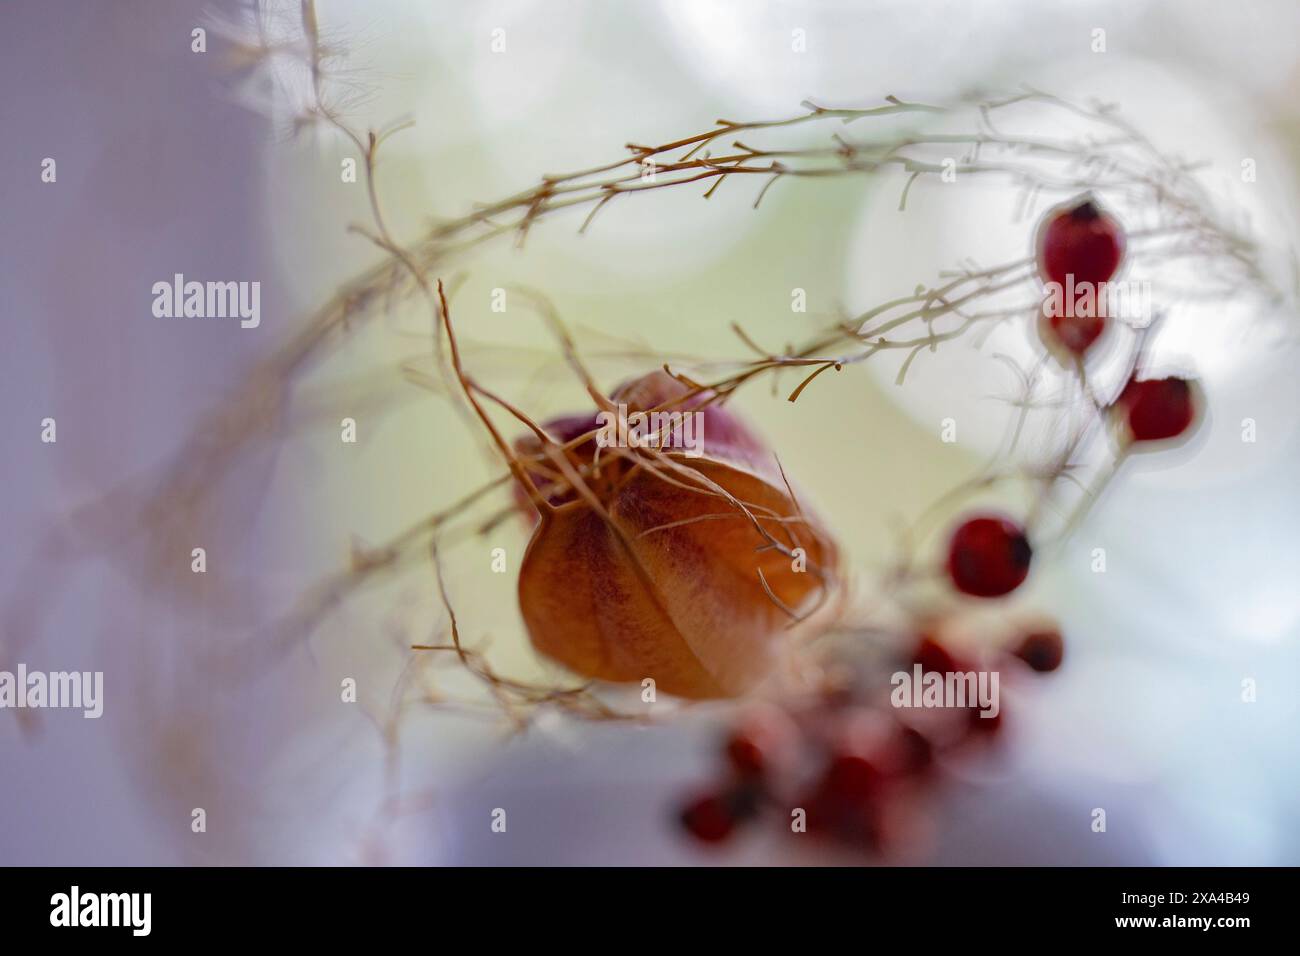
552 467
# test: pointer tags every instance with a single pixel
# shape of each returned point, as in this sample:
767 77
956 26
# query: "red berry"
933 657
988 556
1071 329
745 755
847 801
915 751
981 724
1080 241
763 740
1155 409
709 818
851 778
1042 651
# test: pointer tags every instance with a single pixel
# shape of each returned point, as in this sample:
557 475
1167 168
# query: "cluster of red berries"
1080 248
853 767
855 771
989 554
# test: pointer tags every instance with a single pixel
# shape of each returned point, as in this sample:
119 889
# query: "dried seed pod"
685 565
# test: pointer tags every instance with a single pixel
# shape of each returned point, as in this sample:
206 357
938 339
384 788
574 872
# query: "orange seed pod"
685 565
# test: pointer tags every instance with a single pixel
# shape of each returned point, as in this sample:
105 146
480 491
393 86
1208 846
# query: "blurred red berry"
1072 330
763 740
1080 241
988 556
1042 650
933 657
851 778
1155 409
745 755
849 800
915 751
981 724
709 818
